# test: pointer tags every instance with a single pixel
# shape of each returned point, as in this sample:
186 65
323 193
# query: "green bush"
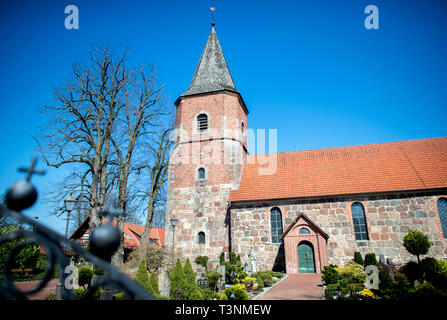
78 293
352 271
202 260
153 282
416 243
233 258
234 273
426 290
442 265
384 276
213 280
222 258
196 295
119 296
330 274
358 258
239 294
429 268
260 283
412 271
85 274
177 282
370 259
190 285
222 296
398 290
142 277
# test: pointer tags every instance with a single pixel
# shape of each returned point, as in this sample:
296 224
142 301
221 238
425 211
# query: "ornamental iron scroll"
104 240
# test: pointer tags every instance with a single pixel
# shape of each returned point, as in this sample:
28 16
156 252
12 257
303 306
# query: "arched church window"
276 224
359 221
442 211
242 128
304 231
201 237
202 122
201 173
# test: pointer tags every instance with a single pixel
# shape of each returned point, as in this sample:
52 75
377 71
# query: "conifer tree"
142 277
153 281
177 281
190 279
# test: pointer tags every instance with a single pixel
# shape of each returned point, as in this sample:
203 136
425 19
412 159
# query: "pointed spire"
212 73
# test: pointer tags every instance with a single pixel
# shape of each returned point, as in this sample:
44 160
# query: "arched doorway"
306 261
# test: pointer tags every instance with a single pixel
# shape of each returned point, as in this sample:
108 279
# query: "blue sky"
309 69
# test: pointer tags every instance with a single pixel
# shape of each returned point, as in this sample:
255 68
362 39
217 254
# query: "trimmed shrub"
370 259
142 277
429 268
412 270
233 259
213 280
222 296
177 282
78 293
358 258
238 291
352 272
85 274
416 243
442 265
196 295
202 260
190 286
222 258
426 290
153 283
330 274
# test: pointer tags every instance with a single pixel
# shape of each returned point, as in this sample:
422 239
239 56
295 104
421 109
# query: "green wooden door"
306 258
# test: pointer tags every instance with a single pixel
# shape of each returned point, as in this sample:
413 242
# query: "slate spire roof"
212 73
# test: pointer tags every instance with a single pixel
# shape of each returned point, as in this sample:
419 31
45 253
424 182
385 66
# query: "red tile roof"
132 233
382 167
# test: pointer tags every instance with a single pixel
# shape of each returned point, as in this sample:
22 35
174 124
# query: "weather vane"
212 13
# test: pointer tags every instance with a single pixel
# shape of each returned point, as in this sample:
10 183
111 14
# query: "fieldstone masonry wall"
389 218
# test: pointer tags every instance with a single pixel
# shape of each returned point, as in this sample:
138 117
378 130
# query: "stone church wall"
389 218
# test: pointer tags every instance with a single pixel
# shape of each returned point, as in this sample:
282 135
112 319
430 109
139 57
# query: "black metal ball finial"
21 195
104 240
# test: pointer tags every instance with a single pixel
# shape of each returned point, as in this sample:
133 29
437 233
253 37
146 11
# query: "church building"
315 208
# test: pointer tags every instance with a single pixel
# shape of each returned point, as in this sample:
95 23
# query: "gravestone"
221 270
382 259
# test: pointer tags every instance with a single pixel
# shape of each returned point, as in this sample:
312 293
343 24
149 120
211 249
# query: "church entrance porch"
305 246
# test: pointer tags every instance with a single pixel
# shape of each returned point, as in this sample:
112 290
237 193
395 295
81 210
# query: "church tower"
206 160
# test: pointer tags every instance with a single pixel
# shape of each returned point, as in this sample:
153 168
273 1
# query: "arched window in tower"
442 211
359 221
201 237
202 122
201 174
242 128
276 224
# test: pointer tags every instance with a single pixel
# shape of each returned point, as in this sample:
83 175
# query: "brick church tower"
206 160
